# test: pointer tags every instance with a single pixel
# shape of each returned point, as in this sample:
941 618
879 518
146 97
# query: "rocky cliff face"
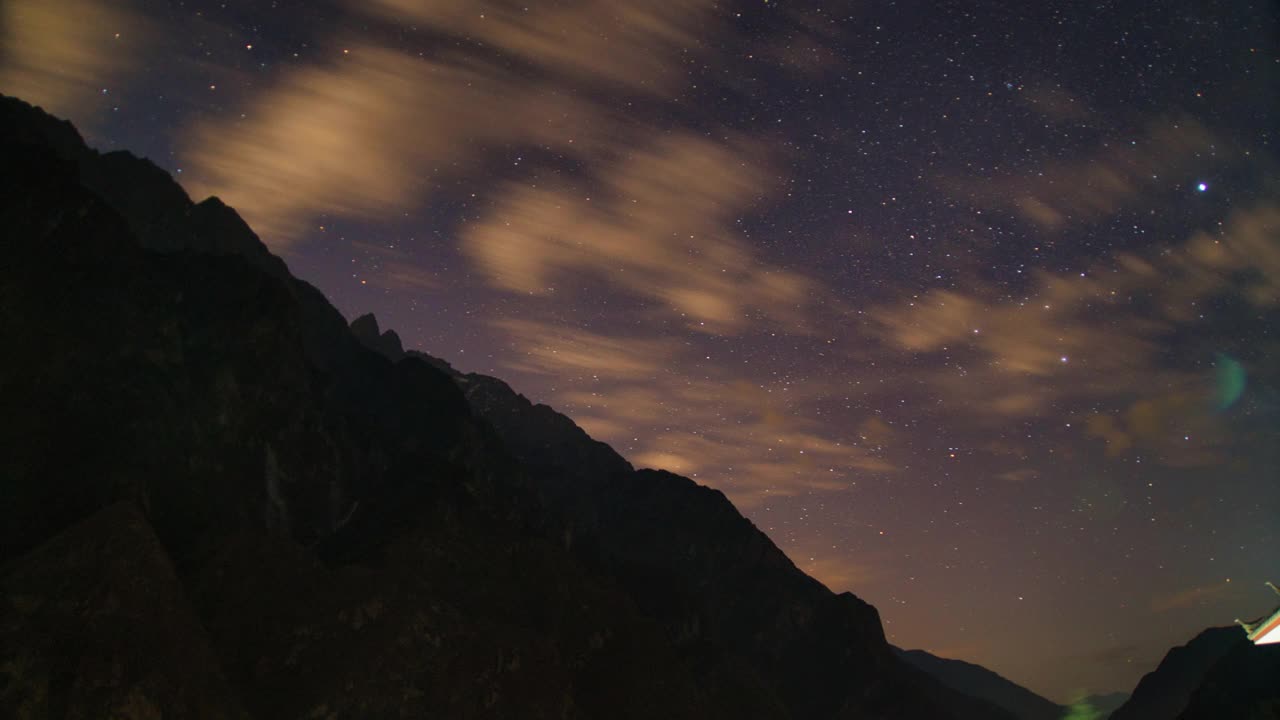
322 529
95 623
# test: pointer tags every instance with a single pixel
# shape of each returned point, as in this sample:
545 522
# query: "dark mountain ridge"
1217 674
340 532
979 682
1163 692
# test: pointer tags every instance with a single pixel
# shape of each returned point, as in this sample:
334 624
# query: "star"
1202 187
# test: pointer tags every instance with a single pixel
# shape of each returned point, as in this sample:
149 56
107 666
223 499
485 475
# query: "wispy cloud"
834 569
1189 597
363 131
661 229
1093 339
629 43
358 136
61 55
570 353
748 438
1067 193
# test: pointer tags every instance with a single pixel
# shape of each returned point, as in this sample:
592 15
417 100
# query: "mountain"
223 501
96 619
979 682
1244 683
1162 694
1106 704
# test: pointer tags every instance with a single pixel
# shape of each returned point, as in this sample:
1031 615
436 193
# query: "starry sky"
972 307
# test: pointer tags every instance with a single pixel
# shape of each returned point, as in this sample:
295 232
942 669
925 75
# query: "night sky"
972 307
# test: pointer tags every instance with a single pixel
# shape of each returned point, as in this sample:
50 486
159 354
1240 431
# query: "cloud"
60 55
1018 475
838 573
659 229
365 132
650 212
1180 423
1093 340
753 465
809 45
628 43
643 394
876 432
357 136
1072 192
1190 597
395 269
567 353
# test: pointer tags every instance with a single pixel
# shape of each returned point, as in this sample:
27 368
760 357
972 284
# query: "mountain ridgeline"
1217 674
979 682
222 501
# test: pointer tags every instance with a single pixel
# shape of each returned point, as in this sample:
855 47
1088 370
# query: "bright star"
1202 187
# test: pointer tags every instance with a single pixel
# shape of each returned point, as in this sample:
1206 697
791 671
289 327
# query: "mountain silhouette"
979 682
1244 683
1217 674
1106 703
224 501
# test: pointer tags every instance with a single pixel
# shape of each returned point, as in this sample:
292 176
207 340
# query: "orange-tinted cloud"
1080 338
394 269
570 353
629 43
361 133
1189 597
1066 193
875 432
660 229
637 393
61 54
355 137
834 569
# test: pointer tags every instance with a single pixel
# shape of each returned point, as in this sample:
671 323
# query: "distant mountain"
1163 693
977 681
223 501
1106 704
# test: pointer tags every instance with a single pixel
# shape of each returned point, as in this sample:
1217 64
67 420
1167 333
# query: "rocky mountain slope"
1217 674
223 504
979 682
1244 683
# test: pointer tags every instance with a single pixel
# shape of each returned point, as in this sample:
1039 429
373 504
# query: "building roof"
1265 630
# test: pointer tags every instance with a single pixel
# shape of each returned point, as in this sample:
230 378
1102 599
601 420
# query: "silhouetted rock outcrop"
387 344
1162 694
980 682
363 534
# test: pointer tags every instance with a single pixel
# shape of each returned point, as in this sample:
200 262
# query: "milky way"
971 307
